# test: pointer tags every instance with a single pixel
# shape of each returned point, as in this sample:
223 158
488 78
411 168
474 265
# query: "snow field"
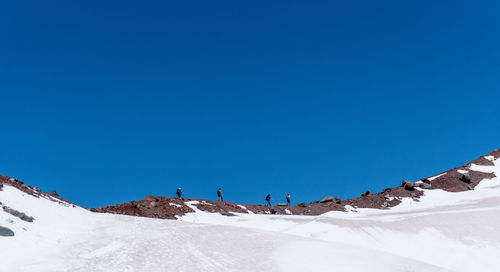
441 232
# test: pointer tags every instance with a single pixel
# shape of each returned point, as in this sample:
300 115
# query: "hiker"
219 195
268 199
288 198
179 193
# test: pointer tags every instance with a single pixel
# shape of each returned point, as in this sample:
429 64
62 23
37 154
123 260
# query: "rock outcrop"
5 232
18 214
326 199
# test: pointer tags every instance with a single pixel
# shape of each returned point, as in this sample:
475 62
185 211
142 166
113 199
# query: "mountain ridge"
173 208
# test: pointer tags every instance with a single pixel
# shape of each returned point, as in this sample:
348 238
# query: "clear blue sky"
110 101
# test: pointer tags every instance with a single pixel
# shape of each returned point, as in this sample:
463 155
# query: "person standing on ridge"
179 193
288 198
268 200
219 195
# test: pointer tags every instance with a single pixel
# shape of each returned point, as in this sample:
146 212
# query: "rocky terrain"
34 191
458 179
452 181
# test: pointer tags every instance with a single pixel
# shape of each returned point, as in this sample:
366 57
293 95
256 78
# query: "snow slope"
441 232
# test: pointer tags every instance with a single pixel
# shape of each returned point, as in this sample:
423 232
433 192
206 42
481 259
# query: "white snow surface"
437 176
490 157
441 232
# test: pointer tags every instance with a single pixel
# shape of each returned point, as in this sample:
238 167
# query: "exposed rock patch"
18 214
5 232
34 191
151 206
390 197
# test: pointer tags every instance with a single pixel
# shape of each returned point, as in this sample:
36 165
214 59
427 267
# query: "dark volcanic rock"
408 185
337 200
451 182
5 232
18 214
465 178
366 193
155 207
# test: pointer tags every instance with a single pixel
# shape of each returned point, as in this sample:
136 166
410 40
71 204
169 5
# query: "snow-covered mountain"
445 229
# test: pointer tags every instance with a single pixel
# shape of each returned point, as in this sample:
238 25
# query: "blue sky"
110 101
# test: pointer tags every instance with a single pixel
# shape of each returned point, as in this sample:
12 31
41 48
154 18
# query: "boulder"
281 204
226 213
327 199
18 214
6 232
366 193
465 178
425 186
337 200
54 193
426 180
408 185
303 205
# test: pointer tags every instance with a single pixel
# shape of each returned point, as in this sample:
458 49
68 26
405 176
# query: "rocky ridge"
455 180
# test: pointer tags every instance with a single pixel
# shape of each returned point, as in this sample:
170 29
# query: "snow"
441 232
245 208
462 171
483 168
349 208
437 176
